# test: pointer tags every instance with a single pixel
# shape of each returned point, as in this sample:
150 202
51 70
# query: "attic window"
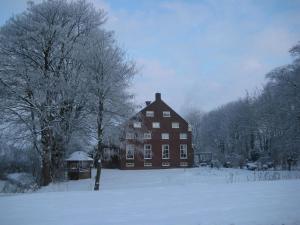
183 135
166 114
149 113
155 125
175 125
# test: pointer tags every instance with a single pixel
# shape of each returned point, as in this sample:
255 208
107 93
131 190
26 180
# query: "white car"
251 166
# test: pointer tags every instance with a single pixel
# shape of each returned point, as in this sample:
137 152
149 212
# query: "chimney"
157 96
148 103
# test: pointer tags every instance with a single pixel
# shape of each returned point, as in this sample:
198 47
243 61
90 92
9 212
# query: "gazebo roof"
79 156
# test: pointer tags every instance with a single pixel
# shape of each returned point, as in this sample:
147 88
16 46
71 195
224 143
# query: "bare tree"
109 75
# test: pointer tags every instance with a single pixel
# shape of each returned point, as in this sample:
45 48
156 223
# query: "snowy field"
197 196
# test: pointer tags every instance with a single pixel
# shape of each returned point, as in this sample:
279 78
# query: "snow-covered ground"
198 196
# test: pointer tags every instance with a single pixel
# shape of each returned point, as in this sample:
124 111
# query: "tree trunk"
46 171
57 159
100 143
46 140
98 175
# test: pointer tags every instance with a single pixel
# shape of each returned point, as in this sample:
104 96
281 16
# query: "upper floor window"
166 114
156 125
183 135
149 113
183 151
175 125
129 136
164 136
129 151
147 135
137 124
147 151
165 152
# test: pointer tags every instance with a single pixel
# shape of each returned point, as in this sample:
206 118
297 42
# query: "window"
175 125
149 113
155 125
147 135
129 164
166 114
137 124
165 164
164 136
183 164
129 152
183 151
183 135
190 127
165 152
129 136
147 164
147 151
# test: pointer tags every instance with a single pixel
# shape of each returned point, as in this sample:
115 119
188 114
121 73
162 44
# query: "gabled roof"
79 156
158 98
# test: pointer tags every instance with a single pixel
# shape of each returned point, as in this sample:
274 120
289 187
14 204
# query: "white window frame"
154 125
137 124
183 164
129 147
165 136
166 114
165 164
183 136
162 151
129 136
149 113
147 149
175 125
147 136
183 151
129 164
147 164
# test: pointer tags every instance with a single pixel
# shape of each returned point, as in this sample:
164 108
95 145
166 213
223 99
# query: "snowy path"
161 197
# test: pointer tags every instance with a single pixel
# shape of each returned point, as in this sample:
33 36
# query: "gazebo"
79 165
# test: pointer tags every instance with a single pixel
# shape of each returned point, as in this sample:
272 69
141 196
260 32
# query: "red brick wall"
158 106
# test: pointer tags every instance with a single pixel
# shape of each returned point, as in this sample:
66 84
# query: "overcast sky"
198 54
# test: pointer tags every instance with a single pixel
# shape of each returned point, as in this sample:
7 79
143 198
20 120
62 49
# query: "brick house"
156 137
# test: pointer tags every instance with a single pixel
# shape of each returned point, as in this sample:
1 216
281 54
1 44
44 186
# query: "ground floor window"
183 151
165 151
147 151
129 152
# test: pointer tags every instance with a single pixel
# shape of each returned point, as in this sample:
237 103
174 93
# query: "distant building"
156 137
203 157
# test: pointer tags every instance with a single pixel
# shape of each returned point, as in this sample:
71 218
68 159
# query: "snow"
19 182
79 156
197 196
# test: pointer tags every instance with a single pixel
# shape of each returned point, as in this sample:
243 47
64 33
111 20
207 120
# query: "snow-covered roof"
79 156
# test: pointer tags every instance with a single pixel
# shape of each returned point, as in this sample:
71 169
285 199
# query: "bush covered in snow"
20 182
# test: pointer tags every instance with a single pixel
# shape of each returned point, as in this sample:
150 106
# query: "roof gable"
159 103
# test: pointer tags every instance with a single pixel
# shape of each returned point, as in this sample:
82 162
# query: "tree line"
63 82
265 124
